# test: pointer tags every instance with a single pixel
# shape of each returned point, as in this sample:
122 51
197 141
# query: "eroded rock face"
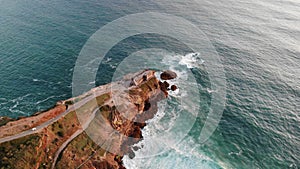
128 116
137 97
168 75
144 96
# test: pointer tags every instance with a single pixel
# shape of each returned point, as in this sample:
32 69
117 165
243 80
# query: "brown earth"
126 118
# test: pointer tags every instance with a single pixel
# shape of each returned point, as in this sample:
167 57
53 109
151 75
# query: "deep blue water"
257 40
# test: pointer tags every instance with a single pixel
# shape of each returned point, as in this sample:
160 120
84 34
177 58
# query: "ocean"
258 45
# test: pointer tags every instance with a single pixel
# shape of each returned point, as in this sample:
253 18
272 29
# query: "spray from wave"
166 144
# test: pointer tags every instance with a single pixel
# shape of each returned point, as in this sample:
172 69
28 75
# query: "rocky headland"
64 136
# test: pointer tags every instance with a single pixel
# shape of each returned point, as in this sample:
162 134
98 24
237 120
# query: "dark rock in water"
136 148
138 96
163 88
173 87
131 154
166 84
168 75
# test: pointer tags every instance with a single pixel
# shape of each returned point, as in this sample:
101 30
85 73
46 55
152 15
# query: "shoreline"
58 129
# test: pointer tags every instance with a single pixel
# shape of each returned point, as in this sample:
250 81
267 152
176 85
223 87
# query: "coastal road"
49 122
74 135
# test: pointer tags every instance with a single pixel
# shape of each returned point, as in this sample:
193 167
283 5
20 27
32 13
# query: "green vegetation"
38 150
64 126
101 99
79 150
69 102
19 153
90 106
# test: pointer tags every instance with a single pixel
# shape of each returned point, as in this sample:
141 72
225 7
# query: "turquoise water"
258 42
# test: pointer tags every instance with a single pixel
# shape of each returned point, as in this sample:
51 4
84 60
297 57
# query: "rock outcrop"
173 87
168 75
123 109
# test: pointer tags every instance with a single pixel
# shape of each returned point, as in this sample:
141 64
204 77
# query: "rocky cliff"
65 136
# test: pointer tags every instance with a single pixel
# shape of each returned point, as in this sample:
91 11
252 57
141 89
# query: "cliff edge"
94 130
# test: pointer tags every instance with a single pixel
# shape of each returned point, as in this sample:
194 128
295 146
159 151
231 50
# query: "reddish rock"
163 88
102 165
173 87
166 84
144 91
168 75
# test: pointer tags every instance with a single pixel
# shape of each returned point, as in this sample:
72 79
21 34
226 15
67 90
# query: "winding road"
71 108
74 135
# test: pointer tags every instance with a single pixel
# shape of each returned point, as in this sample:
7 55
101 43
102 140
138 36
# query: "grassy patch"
78 151
19 153
102 99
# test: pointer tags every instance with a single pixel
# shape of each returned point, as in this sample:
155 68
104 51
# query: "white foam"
236 153
191 60
13 110
45 81
159 152
20 98
18 112
3 99
93 82
107 60
161 146
50 97
112 66
41 101
179 156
